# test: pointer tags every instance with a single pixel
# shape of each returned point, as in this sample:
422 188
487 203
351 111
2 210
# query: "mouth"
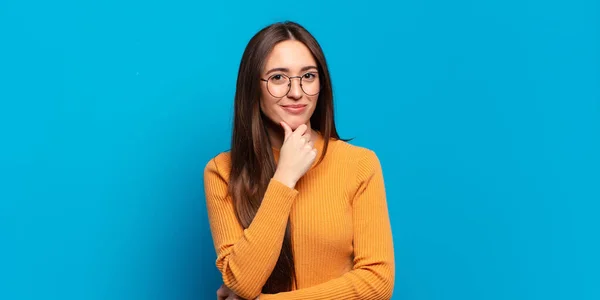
295 108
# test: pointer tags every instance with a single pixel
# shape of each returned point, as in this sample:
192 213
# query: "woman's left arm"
373 274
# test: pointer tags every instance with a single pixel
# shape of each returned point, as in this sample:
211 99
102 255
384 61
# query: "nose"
295 88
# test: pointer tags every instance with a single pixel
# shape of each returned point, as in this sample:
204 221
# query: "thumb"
286 128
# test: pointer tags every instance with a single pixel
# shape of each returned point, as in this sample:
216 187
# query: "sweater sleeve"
246 257
373 274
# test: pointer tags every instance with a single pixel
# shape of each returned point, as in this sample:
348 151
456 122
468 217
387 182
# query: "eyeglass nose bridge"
290 81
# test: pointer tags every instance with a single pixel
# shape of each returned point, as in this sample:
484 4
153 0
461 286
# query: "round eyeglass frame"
290 84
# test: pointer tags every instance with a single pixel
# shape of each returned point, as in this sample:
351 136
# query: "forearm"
247 264
374 282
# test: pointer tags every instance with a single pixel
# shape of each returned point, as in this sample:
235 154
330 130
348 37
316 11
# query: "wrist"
285 179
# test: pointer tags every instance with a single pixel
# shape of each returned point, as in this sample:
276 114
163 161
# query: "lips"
295 105
295 108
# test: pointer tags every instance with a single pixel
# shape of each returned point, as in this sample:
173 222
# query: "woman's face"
288 59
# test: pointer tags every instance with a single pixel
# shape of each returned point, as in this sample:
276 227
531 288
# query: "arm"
373 274
247 257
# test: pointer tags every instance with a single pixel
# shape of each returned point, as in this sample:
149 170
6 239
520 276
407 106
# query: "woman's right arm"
247 257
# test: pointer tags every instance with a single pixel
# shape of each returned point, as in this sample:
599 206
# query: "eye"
309 77
278 79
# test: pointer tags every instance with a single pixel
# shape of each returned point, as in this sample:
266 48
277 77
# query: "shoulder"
353 153
219 165
361 162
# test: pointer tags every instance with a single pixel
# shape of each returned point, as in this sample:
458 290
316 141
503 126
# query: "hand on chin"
294 124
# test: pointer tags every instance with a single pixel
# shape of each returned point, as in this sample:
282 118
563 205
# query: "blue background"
484 114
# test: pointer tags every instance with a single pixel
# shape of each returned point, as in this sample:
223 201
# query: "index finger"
301 130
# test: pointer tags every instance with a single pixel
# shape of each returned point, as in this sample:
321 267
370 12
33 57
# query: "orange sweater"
341 235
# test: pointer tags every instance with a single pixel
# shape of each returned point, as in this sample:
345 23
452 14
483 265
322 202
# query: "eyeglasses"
279 85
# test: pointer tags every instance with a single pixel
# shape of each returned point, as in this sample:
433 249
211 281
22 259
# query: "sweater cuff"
278 190
278 198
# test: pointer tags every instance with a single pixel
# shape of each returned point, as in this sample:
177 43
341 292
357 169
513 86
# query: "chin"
294 124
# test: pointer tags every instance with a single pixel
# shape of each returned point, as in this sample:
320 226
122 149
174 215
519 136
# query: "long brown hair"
252 161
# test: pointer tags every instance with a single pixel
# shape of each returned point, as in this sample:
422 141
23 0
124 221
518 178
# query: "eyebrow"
288 70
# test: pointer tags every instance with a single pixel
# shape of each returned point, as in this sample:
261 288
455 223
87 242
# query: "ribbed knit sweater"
341 234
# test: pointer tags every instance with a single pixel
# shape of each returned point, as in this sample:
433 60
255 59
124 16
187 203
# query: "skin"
291 133
297 58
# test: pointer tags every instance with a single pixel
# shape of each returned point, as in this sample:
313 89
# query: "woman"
285 224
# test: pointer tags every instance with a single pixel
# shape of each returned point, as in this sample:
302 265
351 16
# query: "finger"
309 144
307 134
222 291
308 140
221 294
301 130
286 128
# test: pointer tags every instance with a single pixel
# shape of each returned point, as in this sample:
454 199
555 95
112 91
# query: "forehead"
289 54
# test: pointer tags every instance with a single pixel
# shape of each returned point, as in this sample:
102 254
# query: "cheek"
267 104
